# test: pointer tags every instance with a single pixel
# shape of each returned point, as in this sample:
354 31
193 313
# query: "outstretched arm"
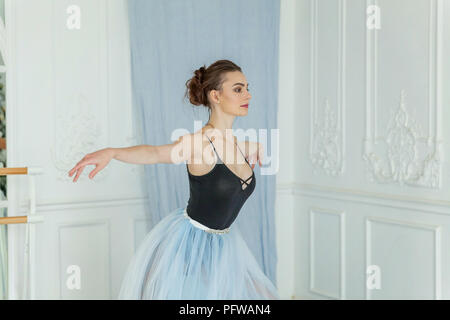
175 152
178 151
142 154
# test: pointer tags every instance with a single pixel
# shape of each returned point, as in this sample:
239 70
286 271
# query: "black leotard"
217 196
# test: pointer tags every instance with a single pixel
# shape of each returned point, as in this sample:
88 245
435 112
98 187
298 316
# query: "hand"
256 156
99 158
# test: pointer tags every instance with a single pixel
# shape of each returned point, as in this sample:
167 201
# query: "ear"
214 96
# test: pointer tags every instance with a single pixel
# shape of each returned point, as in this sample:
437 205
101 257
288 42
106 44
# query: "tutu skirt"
178 259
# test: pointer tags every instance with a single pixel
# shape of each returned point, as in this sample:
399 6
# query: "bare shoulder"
186 148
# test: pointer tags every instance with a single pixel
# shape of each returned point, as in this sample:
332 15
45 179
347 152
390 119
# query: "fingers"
71 172
87 160
78 165
260 151
78 169
253 162
94 172
78 173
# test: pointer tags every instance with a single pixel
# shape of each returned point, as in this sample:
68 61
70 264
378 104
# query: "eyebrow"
238 84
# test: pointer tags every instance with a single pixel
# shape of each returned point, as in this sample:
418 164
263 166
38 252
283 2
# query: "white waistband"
203 227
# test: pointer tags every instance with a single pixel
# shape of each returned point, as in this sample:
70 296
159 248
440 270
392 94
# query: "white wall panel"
327 252
72 96
386 101
86 246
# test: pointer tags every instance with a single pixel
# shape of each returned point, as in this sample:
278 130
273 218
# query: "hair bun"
205 79
200 73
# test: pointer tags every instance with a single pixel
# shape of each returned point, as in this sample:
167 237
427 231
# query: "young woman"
194 252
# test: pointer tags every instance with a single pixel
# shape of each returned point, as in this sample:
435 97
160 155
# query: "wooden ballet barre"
29 265
20 171
12 220
21 219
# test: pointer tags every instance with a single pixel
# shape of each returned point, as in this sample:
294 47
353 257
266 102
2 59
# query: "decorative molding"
401 163
411 203
437 246
81 205
74 222
327 136
77 130
341 215
77 134
327 145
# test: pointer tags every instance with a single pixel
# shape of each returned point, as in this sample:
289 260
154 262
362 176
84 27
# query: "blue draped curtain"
169 40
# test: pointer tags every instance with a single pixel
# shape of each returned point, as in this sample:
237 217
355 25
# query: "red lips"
245 106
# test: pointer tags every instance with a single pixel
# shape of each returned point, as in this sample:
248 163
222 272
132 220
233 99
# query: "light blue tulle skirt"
178 259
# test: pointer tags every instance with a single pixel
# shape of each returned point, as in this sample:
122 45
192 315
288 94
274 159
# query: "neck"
223 123
226 132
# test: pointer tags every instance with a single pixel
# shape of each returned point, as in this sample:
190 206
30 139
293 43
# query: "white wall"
284 203
391 210
334 218
70 94
66 82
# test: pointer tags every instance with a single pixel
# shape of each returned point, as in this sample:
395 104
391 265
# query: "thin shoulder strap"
235 144
241 152
212 144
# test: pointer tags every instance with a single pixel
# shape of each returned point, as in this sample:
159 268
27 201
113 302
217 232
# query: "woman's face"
235 97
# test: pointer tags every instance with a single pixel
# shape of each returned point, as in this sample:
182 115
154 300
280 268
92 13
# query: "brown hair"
207 79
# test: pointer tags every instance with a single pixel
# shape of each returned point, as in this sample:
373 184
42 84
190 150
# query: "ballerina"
194 252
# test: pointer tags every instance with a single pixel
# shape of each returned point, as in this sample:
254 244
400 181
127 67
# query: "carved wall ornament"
326 149
77 134
402 162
